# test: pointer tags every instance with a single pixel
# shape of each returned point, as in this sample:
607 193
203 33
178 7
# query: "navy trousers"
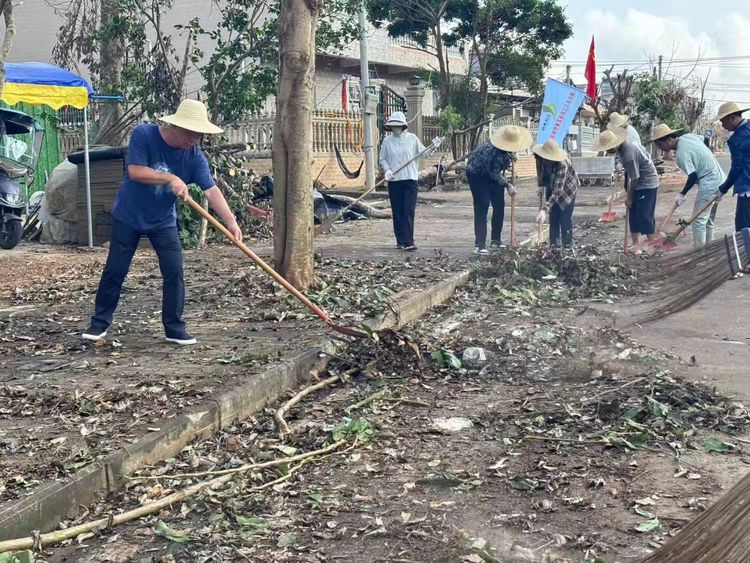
166 243
485 191
403 196
561 225
742 217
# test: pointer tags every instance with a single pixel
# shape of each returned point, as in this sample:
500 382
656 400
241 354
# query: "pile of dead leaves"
586 272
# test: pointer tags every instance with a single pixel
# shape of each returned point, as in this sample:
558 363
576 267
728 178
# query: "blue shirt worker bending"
162 160
730 115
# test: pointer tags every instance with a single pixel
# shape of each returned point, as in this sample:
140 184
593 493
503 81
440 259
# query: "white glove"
541 217
511 189
388 175
437 141
680 200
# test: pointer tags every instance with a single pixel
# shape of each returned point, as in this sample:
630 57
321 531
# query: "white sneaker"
481 251
93 334
180 337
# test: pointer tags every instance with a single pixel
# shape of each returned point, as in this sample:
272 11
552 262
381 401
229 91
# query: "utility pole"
364 81
661 59
567 74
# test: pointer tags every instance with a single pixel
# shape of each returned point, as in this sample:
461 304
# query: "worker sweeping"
485 170
642 180
161 161
696 160
558 184
397 149
730 115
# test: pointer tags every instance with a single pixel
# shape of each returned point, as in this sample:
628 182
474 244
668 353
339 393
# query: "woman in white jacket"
397 150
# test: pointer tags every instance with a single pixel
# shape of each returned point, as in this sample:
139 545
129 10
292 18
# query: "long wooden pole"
270 271
513 241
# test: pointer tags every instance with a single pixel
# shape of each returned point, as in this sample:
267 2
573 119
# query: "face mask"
397 132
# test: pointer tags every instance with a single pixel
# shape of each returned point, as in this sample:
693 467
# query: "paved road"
725 162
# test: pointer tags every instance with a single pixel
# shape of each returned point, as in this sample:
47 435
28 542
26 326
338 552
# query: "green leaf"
251 521
286 450
521 484
648 526
644 513
360 427
717 446
17 557
287 540
176 536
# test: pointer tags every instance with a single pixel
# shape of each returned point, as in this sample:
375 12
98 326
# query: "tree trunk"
111 53
6 6
721 533
446 87
292 143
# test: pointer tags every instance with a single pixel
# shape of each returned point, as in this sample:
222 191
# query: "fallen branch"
278 416
361 207
571 440
406 401
41 540
366 401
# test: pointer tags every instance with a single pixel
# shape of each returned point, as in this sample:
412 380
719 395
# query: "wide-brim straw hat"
397 119
728 109
550 150
193 116
662 130
511 138
608 140
617 120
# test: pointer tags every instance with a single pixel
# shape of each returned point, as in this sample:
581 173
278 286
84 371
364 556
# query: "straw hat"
617 120
397 119
193 116
608 140
662 130
511 138
550 150
728 109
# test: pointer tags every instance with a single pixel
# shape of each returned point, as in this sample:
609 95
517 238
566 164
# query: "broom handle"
258 260
627 229
323 226
695 216
611 198
540 226
667 218
513 205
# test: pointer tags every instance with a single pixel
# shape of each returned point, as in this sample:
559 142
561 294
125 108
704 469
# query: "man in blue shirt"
730 115
161 161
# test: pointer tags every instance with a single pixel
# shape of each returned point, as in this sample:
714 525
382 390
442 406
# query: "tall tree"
6 6
292 143
428 24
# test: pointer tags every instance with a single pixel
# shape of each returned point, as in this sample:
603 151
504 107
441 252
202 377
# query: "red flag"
590 72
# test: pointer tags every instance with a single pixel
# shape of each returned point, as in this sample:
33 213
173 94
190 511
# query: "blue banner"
561 102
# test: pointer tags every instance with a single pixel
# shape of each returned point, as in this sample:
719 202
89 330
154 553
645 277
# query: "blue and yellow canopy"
44 84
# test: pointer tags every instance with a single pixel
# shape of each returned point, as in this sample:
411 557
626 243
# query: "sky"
629 33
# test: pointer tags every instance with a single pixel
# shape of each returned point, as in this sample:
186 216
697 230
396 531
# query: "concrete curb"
52 502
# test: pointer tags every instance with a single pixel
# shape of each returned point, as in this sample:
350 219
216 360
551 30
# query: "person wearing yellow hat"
619 121
485 172
161 161
696 160
642 180
558 183
730 115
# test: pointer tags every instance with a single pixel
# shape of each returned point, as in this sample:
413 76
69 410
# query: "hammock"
348 173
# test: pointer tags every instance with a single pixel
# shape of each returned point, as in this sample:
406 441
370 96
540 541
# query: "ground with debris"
568 441
65 402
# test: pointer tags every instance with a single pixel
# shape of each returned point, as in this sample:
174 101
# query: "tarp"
561 102
44 84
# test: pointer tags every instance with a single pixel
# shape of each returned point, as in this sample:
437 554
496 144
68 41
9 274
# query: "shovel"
627 229
660 236
668 243
270 271
609 216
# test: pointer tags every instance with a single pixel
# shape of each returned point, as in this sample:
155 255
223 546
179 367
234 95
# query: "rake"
513 241
198 208
682 280
668 243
